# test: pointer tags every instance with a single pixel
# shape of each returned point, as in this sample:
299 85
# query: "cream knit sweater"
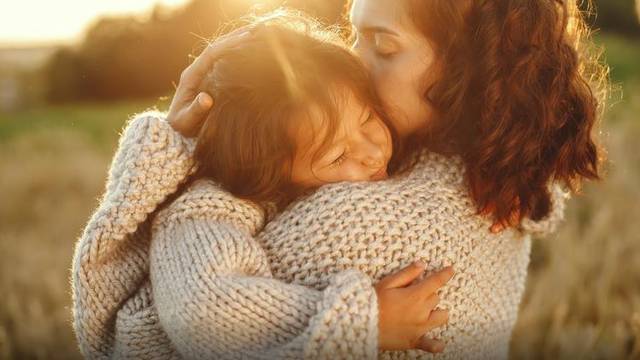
208 279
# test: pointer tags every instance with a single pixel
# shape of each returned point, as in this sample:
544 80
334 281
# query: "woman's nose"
363 54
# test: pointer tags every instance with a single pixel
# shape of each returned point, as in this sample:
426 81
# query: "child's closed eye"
339 160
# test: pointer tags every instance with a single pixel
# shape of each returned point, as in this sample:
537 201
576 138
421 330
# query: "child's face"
360 150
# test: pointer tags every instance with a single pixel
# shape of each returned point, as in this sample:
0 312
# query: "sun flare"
36 21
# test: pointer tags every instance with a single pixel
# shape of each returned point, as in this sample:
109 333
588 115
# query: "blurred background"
72 72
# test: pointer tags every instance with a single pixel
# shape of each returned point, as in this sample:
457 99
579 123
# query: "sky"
38 22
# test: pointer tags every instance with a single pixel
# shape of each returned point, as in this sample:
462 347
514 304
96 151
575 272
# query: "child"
292 112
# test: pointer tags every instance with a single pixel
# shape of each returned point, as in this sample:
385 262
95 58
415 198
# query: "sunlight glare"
37 21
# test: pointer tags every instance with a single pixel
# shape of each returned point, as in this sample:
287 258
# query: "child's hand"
406 309
189 107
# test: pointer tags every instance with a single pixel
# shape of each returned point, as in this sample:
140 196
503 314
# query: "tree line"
129 57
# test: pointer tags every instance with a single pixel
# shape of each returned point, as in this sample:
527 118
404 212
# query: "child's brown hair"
260 89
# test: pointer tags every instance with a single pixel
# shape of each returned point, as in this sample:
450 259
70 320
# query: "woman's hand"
407 309
189 106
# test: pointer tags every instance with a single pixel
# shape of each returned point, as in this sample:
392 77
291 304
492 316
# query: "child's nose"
373 162
369 152
372 155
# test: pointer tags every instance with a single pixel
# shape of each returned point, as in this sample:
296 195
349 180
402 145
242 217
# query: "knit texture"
209 279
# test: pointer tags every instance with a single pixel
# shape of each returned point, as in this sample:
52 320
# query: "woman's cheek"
386 82
409 90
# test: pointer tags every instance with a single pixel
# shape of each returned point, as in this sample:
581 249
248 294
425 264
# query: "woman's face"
399 58
359 151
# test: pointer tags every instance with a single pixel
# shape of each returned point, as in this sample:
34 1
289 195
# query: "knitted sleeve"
550 223
109 263
217 298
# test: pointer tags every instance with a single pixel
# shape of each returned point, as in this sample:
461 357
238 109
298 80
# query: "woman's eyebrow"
378 29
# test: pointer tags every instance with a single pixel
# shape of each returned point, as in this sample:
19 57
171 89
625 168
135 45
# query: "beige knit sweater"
208 279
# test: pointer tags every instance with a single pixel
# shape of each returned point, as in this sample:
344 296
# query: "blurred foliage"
622 55
99 122
129 57
613 15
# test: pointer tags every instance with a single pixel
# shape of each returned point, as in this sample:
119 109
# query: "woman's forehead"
388 14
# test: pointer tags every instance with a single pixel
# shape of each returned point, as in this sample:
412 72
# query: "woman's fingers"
194 116
194 73
188 109
430 345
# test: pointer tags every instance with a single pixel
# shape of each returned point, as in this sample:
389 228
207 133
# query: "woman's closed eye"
382 44
385 47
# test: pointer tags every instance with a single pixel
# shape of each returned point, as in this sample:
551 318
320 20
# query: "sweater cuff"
347 320
550 223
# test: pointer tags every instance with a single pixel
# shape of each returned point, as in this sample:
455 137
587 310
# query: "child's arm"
216 296
150 162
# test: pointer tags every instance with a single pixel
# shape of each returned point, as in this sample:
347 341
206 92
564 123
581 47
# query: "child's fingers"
432 301
430 345
403 277
432 283
417 279
437 318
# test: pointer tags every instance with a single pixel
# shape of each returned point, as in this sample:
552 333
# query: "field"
583 293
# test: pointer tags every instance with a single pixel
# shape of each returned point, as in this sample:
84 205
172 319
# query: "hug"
315 195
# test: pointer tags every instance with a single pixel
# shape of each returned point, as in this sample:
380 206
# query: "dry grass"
583 297
49 182
583 294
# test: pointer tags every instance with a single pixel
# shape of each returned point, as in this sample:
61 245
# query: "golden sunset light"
37 21
198 179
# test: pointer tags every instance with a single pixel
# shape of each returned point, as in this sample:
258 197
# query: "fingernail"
204 100
420 264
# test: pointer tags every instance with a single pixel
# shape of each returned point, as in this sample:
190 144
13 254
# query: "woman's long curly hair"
519 94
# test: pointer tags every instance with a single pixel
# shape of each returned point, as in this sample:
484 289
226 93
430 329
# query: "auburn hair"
519 92
264 86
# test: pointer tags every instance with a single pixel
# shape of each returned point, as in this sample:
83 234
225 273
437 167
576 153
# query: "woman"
491 97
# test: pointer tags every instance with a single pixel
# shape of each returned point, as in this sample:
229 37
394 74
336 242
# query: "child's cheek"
355 172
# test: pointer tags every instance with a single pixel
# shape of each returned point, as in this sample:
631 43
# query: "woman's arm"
217 298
